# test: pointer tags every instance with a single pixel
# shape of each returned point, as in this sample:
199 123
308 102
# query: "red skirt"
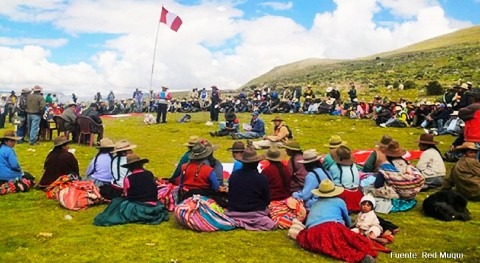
352 199
336 240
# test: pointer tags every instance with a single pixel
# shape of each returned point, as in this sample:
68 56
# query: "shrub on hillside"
409 84
434 88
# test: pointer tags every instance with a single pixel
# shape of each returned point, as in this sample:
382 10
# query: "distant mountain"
446 59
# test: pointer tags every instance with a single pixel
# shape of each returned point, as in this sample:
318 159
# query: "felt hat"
237 146
164 88
327 189
369 198
70 103
200 151
274 154
467 146
10 135
60 140
37 88
399 108
454 113
469 83
106 143
464 86
277 118
292 145
427 139
132 159
394 150
192 141
250 156
209 144
386 139
335 142
343 156
310 156
123 145
26 90
214 87
230 116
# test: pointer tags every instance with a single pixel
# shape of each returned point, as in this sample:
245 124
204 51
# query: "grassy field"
28 219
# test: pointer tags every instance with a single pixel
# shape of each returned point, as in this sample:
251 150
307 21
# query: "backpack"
79 195
290 134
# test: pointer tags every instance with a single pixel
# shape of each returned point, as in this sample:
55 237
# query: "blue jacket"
9 166
328 210
258 126
345 176
311 182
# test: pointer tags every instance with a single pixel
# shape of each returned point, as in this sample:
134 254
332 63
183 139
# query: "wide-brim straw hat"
427 139
60 140
386 139
310 156
327 189
274 154
106 143
10 135
277 118
394 150
335 142
200 151
237 146
123 145
343 156
132 159
467 146
292 145
192 141
250 156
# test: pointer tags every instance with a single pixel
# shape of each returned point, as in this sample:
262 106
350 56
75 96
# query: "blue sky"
82 45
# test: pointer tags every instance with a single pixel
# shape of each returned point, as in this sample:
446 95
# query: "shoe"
234 136
383 125
368 259
212 134
435 133
426 131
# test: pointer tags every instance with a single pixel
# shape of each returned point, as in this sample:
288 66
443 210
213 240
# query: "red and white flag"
170 19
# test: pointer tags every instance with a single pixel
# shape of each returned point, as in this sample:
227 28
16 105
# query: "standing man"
215 104
138 97
164 97
20 109
35 108
111 99
74 98
97 98
352 93
203 98
471 115
11 102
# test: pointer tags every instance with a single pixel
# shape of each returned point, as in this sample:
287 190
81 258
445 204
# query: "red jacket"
278 190
196 175
472 128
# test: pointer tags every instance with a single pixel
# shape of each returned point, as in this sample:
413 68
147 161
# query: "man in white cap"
35 108
163 99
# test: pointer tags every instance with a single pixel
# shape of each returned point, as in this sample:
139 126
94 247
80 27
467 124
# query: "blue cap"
255 113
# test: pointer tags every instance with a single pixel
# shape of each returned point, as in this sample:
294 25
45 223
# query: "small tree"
409 84
434 88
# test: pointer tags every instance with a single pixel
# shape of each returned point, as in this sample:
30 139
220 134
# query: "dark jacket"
248 191
35 103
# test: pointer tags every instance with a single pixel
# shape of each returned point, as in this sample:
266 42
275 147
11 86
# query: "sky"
89 46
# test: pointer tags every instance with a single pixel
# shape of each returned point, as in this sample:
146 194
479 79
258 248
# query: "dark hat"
93 105
230 116
10 135
277 118
427 139
343 156
60 140
394 150
250 156
132 159
386 139
237 146
214 87
200 151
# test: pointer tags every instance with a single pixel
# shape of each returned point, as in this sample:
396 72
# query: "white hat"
370 198
329 89
398 108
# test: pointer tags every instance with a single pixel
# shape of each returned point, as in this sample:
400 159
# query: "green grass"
24 216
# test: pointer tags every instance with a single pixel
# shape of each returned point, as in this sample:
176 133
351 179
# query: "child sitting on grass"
367 222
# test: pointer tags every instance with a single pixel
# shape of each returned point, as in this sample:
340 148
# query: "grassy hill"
445 59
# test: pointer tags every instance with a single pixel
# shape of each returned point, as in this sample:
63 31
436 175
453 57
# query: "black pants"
214 112
162 112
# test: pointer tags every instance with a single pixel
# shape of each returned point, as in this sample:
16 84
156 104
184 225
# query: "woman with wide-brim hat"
10 170
334 142
465 175
327 228
197 177
100 168
140 203
58 162
345 174
296 168
278 175
431 163
237 150
120 152
192 140
249 194
377 156
316 173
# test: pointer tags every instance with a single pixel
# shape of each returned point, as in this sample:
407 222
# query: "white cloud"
278 5
216 45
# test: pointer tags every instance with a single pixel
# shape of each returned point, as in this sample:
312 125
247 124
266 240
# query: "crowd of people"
318 193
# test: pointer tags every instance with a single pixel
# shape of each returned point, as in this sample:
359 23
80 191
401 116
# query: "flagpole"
154 54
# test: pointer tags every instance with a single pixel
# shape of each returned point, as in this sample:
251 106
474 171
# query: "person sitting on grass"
121 150
10 170
377 157
367 222
231 125
256 129
465 175
237 150
58 162
139 204
100 168
327 228
431 163
281 135
278 175
184 159
334 142
197 177
297 169
249 194
311 161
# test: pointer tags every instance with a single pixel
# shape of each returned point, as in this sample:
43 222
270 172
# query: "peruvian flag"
170 19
